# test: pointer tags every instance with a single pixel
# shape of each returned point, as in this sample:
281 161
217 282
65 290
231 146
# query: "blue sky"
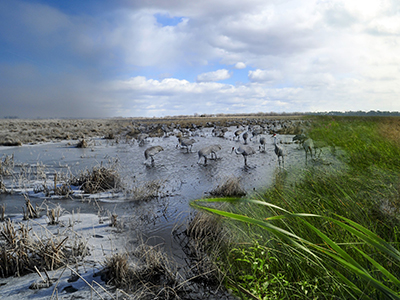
173 57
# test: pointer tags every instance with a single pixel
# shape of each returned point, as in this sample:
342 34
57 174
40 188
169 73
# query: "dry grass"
17 132
7 165
49 190
118 271
30 212
82 144
147 190
2 187
390 128
99 179
204 240
53 214
153 277
22 251
230 187
2 212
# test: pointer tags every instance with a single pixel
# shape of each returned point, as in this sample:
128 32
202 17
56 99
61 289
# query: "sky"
158 58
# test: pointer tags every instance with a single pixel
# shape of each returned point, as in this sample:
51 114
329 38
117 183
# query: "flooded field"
175 177
180 176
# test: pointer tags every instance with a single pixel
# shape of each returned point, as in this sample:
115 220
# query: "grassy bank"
330 234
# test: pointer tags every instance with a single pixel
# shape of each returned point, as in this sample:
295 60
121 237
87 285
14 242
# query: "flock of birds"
244 149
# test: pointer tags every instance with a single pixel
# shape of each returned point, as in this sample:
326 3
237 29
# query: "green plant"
349 262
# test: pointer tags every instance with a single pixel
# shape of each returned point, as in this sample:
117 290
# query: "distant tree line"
372 113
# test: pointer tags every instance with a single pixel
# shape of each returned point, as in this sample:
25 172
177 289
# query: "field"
22 131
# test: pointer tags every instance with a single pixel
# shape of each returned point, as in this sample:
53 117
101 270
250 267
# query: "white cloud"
240 65
264 75
214 76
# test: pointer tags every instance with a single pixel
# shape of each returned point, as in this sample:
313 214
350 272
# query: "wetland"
46 162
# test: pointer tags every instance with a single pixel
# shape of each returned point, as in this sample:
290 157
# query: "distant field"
14 132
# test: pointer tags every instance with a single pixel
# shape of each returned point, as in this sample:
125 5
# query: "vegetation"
22 251
230 187
333 232
99 179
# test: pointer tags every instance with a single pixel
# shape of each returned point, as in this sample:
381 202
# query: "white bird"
279 152
244 151
186 142
212 149
263 142
151 151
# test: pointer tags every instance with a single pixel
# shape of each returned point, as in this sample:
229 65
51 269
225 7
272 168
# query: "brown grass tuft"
153 276
7 165
99 179
30 212
205 240
82 144
21 251
117 270
230 187
2 212
147 190
389 128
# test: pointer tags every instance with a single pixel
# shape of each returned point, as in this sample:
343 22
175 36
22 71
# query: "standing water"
177 172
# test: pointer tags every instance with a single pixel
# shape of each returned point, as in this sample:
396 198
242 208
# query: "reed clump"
22 251
30 212
82 144
229 187
147 190
99 179
2 187
54 214
7 165
205 239
63 189
151 276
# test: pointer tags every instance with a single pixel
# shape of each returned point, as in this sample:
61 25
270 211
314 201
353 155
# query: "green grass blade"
352 286
380 268
374 239
333 245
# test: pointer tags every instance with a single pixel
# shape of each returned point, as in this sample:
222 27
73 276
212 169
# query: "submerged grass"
330 234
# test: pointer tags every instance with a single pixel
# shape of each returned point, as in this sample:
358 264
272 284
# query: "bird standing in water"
151 151
307 143
263 142
244 151
245 137
186 142
279 152
212 149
